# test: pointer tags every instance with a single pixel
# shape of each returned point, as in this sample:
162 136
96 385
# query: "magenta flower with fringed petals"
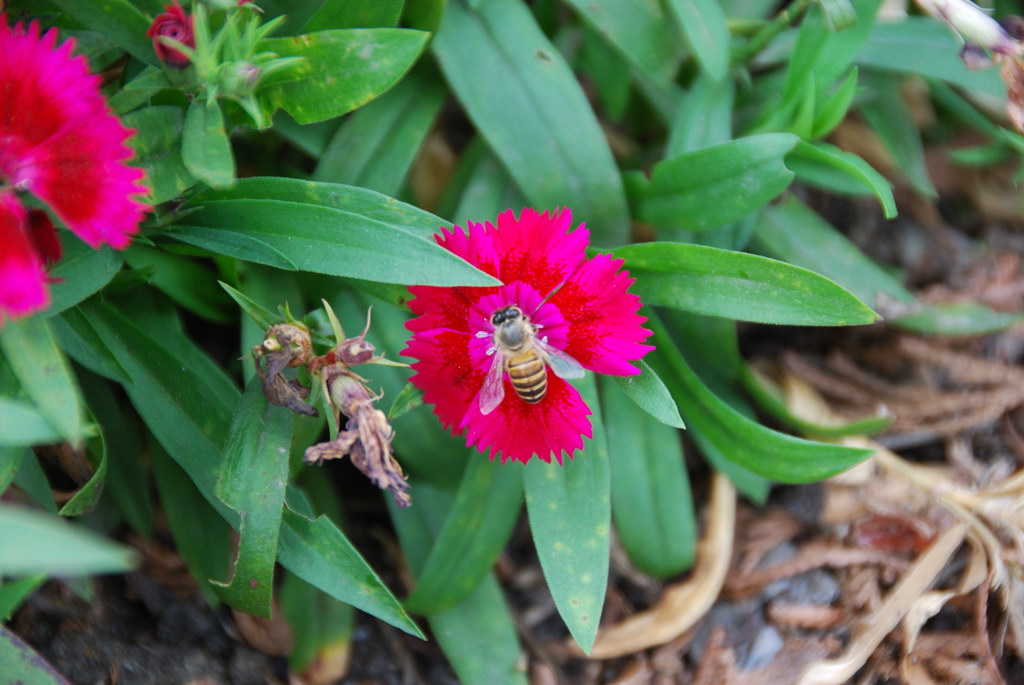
580 307
60 143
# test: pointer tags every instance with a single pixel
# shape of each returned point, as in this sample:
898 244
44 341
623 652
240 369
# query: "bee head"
506 314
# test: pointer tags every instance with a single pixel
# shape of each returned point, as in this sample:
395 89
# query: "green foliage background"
693 123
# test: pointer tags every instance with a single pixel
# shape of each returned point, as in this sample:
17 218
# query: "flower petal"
21 269
61 142
519 430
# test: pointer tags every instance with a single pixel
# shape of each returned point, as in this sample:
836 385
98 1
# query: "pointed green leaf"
118 21
703 24
205 147
44 374
478 526
766 452
538 122
252 481
478 635
713 186
327 228
319 553
158 150
34 542
22 424
81 272
649 393
640 31
84 500
375 147
342 70
739 286
19 663
827 166
569 508
651 501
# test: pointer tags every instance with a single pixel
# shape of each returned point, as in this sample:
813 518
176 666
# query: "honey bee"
517 349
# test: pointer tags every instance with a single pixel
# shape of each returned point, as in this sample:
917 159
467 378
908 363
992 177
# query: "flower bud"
973 24
174 23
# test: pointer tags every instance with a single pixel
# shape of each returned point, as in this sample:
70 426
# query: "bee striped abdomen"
529 377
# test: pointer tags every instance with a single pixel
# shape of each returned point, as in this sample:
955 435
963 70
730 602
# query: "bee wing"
561 363
493 390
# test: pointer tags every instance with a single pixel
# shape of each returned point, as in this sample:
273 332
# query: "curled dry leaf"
685 603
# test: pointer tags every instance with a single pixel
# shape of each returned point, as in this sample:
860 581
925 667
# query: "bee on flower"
495 361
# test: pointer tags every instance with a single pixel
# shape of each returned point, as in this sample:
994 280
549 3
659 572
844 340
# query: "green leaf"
839 14
769 400
768 453
319 553
31 480
810 160
188 510
424 15
252 481
538 122
84 500
925 47
478 636
20 664
824 54
704 118
22 424
640 31
32 542
44 374
80 273
321 626
482 187
263 317
713 186
833 108
703 24
376 146
344 69
569 510
408 398
81 341
118 21
157 146
126 454
956 318
205 148
792 231
738 286
327 228
649 393
185 399
345 14
10 462
12 594
183 279
890 116
478 526
651 502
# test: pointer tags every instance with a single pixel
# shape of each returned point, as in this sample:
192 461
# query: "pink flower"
174 23
574 310
60 143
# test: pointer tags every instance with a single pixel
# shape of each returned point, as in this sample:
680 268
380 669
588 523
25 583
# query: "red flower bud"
174 23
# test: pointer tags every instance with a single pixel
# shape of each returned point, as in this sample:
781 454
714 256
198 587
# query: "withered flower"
285 345
367 435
